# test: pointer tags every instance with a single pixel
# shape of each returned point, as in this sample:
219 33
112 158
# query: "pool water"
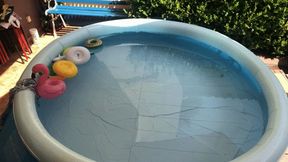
157 98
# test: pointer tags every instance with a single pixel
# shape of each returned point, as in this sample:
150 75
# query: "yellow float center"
65 68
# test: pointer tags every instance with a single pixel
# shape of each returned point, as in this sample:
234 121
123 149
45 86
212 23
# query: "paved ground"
279 66
11 72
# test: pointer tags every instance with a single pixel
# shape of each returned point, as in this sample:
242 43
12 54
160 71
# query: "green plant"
260 25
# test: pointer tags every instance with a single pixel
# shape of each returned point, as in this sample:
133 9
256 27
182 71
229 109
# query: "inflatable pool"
156 91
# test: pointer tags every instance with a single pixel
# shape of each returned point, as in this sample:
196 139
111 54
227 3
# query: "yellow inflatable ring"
92 43
65 68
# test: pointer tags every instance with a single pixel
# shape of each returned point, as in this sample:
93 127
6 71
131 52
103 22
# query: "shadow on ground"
12 148
283 64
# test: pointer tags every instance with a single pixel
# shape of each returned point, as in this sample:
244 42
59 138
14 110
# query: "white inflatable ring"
77 54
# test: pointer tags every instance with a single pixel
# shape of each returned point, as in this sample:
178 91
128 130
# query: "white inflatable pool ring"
77 54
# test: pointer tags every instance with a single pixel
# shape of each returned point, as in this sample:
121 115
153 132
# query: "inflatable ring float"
48 87
65 68
92 43
77 54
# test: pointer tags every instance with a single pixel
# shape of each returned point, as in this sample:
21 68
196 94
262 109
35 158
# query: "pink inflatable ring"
47 87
